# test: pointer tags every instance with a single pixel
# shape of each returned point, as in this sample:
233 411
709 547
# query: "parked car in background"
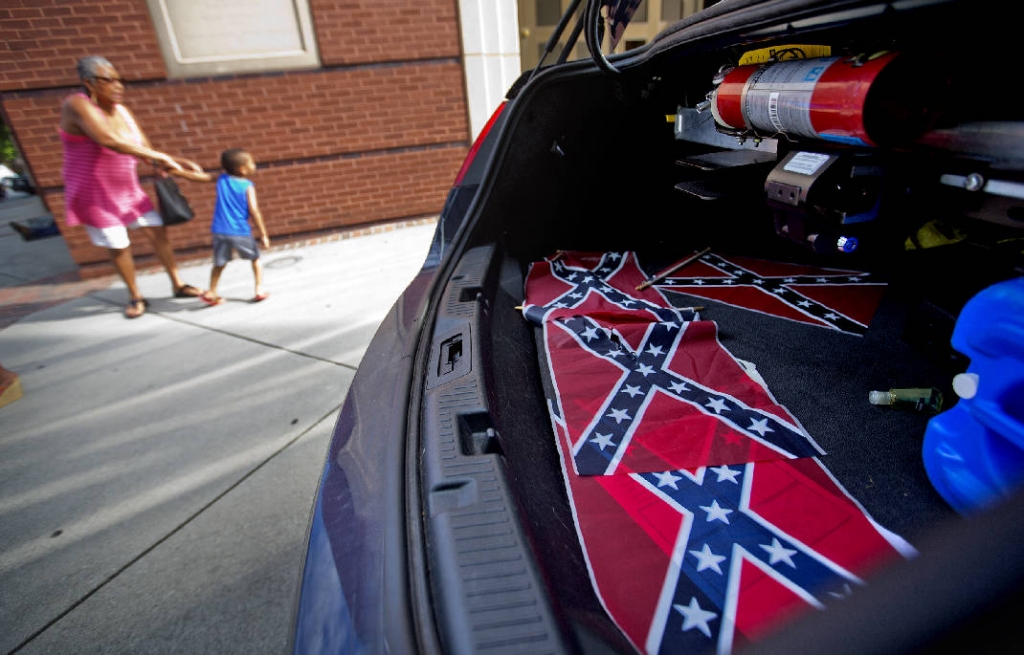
22 184
5 174
717 349
15 182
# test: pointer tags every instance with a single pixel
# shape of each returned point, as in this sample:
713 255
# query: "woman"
101 141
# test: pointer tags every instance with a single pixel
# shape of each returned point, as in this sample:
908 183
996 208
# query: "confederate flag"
704 513
824 297
643 385
709 559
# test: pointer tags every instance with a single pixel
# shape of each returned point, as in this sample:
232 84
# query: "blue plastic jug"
974 452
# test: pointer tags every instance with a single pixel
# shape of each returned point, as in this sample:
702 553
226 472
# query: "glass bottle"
919 399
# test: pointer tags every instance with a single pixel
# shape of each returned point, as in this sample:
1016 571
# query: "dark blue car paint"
341 607
346 583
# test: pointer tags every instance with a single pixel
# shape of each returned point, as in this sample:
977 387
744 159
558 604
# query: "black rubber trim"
488 594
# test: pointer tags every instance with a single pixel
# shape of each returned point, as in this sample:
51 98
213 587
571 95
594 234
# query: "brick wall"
385 30
376 134
40 40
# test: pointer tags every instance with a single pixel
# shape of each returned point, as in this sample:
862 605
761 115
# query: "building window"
199 37
671 10
640 15
548 12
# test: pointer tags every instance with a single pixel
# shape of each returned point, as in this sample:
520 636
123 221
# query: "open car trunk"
591 163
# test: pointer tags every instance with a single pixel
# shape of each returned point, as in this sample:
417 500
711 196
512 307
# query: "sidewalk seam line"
236 336
170 534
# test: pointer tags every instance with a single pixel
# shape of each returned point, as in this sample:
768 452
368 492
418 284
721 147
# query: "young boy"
236 206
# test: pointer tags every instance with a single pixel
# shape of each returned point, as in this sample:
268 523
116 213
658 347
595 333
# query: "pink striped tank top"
101 186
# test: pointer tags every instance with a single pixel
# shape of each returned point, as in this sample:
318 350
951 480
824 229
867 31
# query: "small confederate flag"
595 285
825 297
703 512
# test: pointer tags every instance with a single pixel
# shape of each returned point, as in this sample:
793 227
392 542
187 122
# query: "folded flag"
702 509
595 285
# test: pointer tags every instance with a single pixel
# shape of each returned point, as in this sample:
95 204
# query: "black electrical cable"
593 35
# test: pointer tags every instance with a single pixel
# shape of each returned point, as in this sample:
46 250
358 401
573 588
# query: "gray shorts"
224 245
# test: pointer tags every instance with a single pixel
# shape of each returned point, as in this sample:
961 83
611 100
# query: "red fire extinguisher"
883 99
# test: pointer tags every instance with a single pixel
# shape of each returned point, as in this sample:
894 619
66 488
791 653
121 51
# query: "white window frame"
180 65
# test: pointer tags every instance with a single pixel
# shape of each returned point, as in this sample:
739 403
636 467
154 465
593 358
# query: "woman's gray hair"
88 67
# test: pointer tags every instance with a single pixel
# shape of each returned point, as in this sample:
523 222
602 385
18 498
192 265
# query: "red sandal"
212 301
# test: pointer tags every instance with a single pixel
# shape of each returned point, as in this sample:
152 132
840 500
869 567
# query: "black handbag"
174 207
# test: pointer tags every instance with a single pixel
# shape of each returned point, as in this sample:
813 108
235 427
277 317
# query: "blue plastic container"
974 452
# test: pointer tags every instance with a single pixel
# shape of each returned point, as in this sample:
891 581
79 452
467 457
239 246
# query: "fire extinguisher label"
778 98
773 112
806 163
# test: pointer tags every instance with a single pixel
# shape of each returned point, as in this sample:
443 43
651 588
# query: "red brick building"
373 133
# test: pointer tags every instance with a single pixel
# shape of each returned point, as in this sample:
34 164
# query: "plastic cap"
847 244
879 397
966 385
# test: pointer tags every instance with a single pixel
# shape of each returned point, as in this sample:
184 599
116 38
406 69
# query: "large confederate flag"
704 513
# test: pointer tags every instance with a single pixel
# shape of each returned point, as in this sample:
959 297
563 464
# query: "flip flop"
187 291
212 301
259 297
136 307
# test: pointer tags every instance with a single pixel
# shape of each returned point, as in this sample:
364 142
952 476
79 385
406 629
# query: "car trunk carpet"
705 425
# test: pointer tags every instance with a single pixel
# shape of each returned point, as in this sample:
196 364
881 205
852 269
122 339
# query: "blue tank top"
231 213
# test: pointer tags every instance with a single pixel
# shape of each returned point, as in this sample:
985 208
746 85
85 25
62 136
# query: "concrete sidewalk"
157 475
35 274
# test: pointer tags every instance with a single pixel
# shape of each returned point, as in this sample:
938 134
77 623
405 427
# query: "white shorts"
117 237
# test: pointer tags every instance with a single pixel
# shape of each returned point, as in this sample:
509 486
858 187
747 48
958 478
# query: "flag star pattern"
828 298
595 285
725 523
657 395
752 545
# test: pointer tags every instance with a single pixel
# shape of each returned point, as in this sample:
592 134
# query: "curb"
17 302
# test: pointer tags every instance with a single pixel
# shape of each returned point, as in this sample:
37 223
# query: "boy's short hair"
231 160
